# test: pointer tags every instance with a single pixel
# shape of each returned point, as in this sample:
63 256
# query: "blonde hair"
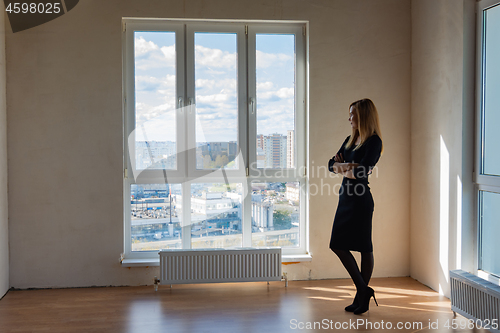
368 123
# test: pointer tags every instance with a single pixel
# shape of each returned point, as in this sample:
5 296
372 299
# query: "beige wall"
441 98
4 223
65 132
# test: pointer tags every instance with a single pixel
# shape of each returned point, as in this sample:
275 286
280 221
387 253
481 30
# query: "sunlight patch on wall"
444 213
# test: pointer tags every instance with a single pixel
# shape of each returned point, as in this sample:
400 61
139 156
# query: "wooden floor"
232 307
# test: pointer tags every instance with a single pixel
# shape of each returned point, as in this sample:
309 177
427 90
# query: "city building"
292 192
155 154
213 210
271 151
215 151
262 212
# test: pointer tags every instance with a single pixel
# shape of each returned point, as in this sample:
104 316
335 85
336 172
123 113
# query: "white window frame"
187 174
483 182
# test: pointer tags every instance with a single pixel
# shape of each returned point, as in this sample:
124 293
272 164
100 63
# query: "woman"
352 226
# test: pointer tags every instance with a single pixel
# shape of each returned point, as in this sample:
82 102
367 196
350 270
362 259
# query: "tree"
221 160
207 162
282 219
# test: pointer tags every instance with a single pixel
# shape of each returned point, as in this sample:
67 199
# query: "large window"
488 137
215 135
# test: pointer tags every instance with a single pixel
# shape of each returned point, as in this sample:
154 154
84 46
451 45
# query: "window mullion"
252 102
244 130
181 103
247 214
190 109
186 215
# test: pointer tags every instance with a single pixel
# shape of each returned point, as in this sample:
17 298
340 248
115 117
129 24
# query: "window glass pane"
155 100
275 214
490 229
216 65
275 79
155 216
491 121
216 213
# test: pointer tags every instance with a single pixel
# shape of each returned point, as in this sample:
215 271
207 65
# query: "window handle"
180 103
251 105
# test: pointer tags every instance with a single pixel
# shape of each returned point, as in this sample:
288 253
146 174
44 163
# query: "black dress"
352 225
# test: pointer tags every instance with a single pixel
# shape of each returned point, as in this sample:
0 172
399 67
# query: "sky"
215 85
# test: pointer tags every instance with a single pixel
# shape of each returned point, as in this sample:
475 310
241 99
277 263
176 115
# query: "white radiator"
219 265
475 298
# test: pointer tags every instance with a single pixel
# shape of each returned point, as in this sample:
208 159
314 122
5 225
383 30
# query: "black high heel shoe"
354 305
364 301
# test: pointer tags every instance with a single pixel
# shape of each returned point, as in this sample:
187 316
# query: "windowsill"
296 258
488 277
140 262
291 258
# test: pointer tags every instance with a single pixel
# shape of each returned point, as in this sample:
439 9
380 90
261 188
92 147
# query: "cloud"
268 85
169 53
275 117
276 95
143 47
205 56
285 92
265 60
209 99
146 83
159 128
148 55
224 103
217 114
213 116
146 113
204 83
219 95
228 85
161 85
